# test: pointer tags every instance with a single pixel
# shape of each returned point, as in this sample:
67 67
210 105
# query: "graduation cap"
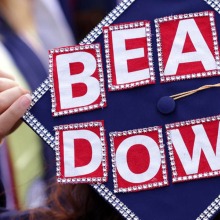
134 109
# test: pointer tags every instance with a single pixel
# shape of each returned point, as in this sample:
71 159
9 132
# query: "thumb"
11 116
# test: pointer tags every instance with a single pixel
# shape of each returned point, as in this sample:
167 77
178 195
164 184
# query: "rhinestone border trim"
215 4
40 91
39 129
66 50
210 210
140 187
125 26
115 202
171 126
216 72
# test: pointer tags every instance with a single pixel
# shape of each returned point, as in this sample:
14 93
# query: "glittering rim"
39 129
52 63
172 126
210 210
40 91
215 4
140 187
126 26
115 202
104 163
216 72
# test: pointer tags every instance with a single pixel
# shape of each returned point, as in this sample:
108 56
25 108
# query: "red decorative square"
129 55
81 153
138 160
187 46
77 79
194 148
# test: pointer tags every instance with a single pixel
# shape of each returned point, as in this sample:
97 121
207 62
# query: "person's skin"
14 101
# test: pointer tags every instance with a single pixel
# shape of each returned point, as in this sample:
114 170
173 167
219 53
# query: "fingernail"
26 100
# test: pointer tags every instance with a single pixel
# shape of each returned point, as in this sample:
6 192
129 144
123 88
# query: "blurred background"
28 29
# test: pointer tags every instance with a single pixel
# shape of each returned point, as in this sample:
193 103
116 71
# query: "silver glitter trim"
39 129
215 4
210 210
115 202
40 91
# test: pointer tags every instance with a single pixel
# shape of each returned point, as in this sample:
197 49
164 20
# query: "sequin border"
140 187
212 73
215 4
169 127
39 129
104 164
210 210
125 26
115 202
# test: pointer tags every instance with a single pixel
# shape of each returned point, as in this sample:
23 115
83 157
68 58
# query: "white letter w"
201 143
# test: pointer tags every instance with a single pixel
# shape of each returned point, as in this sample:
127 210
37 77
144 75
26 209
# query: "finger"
9 96
7 84
10 118
5 75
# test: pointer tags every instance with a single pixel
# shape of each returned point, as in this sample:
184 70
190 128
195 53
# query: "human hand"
14 101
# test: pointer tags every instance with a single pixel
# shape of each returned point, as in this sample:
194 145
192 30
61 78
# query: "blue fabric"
137 108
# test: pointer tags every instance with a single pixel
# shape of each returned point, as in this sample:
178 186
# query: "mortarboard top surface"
136 108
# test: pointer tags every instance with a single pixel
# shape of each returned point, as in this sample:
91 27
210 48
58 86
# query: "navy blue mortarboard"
134 109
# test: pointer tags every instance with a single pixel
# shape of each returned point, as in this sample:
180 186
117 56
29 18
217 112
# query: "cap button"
166 105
